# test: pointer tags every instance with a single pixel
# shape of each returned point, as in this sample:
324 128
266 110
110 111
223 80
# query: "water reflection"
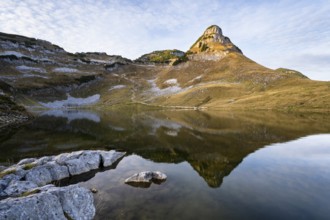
213 143
72 115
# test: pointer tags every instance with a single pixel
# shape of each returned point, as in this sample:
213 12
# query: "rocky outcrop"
28 180
50 202
212 45
11 113
145 178
32 172
161 57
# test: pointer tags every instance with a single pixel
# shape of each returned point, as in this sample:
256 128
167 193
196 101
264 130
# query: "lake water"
220 165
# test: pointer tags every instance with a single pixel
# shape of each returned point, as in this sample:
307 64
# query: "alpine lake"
219 164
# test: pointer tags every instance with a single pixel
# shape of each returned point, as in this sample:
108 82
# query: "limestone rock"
26 161
44 160
38 206
77 202
57 171
16 188
87 161
212 45
32 172
4 182
50 202
62 158
110 157
146 177
39 175
2 168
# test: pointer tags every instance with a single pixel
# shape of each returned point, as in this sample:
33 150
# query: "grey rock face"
16 188
146 177
88 160
62 158
2 168
48 201
32 172
44 160
110 157
57 171
26 161
77 202
4 182
39 175
38 206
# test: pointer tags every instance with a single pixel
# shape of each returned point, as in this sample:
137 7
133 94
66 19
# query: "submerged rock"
145 178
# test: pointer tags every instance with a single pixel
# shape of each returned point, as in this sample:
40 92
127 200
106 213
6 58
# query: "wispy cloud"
272 33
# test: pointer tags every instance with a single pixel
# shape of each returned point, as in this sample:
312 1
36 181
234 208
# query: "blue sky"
288 33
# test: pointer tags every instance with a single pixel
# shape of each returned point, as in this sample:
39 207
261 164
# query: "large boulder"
77 202
37 206
88 160
47 169
50 202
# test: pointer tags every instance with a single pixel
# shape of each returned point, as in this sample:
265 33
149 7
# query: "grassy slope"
238 82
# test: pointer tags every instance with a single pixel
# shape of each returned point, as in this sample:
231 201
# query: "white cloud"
272 33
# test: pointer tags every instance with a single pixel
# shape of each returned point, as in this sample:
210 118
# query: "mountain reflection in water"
213 143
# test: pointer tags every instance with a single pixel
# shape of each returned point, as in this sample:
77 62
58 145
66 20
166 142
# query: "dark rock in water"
144 179
50 202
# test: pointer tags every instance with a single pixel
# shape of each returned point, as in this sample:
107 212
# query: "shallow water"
230 165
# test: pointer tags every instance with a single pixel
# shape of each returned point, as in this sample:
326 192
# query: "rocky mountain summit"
212 45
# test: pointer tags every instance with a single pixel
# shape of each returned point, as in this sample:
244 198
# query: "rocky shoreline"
11 114
27 192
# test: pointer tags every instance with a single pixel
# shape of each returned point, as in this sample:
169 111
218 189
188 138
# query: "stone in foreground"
33 199
31 172
50 202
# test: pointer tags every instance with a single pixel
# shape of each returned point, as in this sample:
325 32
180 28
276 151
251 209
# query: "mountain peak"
213 29
212 44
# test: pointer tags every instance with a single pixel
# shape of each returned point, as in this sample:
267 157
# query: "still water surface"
220 165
